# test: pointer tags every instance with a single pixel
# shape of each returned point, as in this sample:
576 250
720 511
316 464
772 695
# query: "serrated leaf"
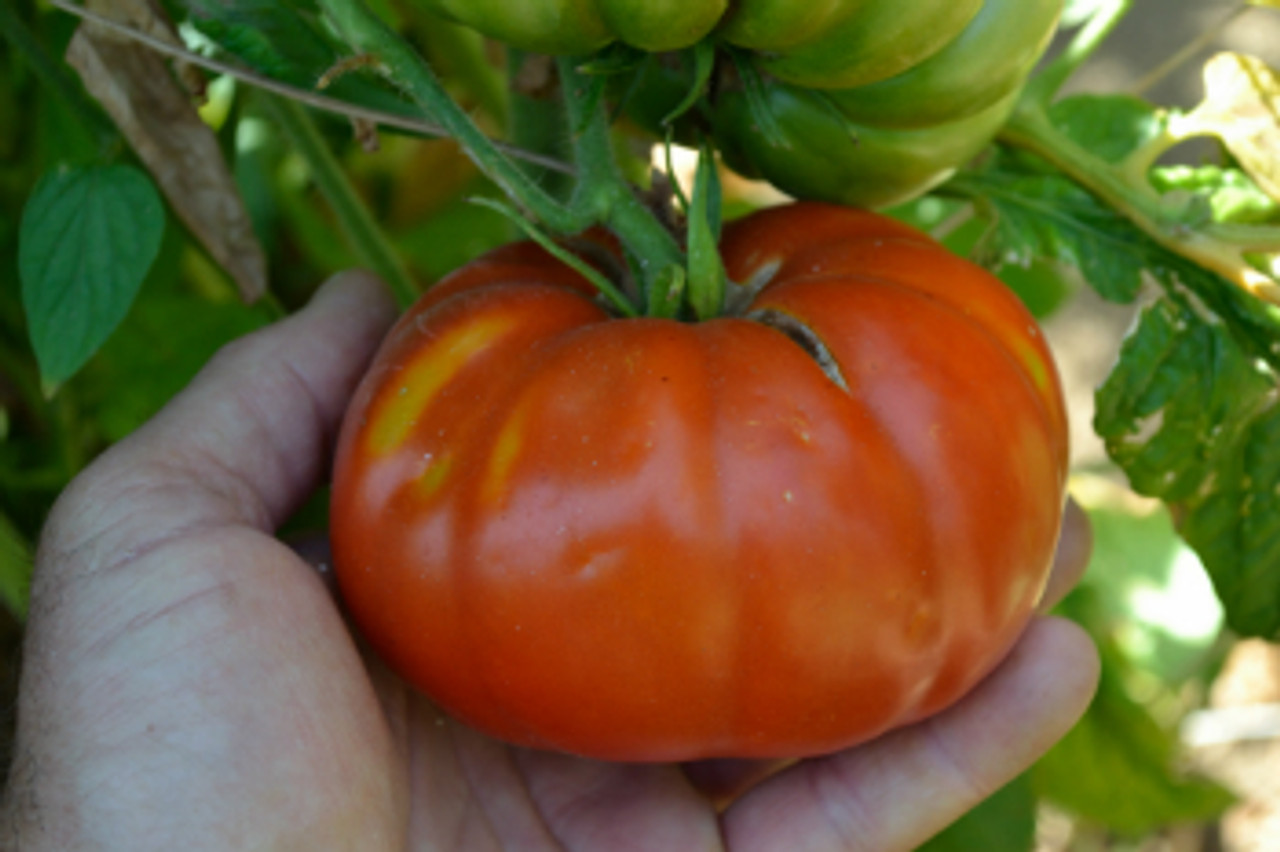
1115 768
1193 420
15 567
1038 216
284 41
87 238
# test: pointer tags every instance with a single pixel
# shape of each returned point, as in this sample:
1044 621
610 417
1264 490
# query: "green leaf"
707 277
1116 766
1231 194
1004 822
1037 215
1194 420
284 41
15 568
87 238
1109 126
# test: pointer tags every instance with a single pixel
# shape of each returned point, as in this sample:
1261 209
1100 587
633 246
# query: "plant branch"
602 192
367 33
1219 248
303 96
1184 54
359 227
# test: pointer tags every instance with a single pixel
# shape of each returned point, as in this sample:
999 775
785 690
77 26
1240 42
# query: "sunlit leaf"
1242 107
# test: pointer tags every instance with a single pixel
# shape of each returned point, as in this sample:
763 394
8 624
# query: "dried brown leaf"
1242 108
156 114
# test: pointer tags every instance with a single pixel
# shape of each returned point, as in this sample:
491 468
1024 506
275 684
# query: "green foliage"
1005 822
15 567
88 237
1193 420
1117 767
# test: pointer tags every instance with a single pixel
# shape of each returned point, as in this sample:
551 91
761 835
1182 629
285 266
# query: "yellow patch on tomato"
505 449
404 401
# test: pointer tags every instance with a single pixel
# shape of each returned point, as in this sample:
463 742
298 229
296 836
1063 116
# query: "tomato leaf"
1109 126
284 41
1041 215
87 238
1193 419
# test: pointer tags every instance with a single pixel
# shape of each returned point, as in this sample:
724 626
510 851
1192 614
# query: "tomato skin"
648 540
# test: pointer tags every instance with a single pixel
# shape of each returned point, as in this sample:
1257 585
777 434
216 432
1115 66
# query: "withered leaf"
1242 108
156 114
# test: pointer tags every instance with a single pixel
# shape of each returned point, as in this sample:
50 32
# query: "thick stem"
603 193
368 34
358 226
1031 129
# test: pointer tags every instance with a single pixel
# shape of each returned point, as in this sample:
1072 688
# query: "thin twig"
1185 53
303 96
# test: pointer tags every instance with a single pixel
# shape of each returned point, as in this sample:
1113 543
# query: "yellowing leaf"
1242 108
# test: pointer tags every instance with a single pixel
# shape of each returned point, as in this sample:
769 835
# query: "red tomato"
778 533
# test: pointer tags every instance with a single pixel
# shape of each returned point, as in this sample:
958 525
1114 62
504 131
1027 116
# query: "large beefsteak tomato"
779 532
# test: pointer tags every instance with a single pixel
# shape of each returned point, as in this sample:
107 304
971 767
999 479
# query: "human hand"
189 682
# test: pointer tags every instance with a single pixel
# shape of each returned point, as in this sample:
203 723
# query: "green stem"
55 77
358 226
537 124
1045 85
368 34
1218 248
603 193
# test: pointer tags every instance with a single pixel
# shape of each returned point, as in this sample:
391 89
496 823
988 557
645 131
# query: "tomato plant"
865 102
776 533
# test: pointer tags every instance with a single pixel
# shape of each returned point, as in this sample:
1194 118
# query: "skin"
189 681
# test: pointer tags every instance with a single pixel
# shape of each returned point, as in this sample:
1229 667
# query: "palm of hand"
189 682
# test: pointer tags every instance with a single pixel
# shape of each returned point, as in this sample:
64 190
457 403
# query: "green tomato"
827 159
870 145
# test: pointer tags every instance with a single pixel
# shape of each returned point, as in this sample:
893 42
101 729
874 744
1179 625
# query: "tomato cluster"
779 532
864 102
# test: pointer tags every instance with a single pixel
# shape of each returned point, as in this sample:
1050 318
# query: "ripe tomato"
780 532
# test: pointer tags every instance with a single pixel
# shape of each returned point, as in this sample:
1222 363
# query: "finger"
1075 547
247 441
724 779
896 792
